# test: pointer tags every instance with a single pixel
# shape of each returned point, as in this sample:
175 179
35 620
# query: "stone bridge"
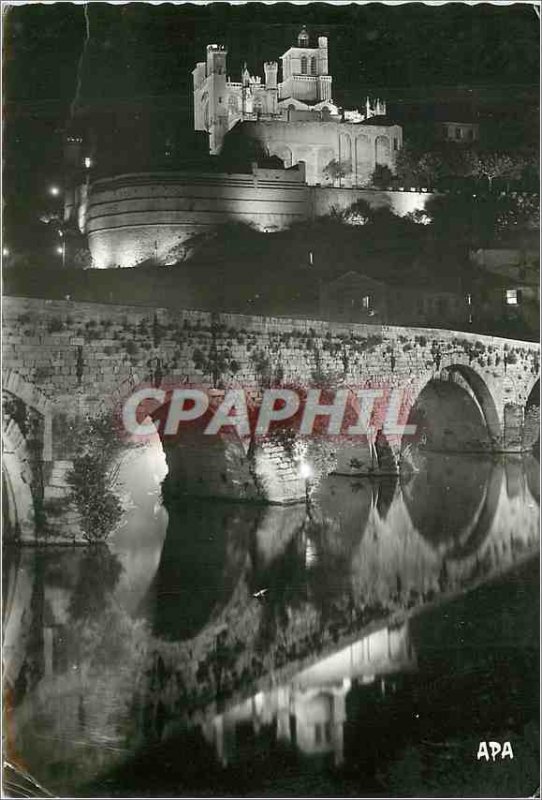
66 363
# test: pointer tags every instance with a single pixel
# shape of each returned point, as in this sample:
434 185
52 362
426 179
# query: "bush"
91 479
382 176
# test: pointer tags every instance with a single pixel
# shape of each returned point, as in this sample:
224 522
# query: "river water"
363 643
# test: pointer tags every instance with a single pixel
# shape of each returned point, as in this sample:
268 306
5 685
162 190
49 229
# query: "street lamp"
61 250
54 190
5 251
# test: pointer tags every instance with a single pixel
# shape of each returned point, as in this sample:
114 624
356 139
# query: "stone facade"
356 148
295 118
83 359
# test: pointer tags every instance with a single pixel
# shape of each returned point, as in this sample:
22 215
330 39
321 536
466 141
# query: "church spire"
303 37
245 75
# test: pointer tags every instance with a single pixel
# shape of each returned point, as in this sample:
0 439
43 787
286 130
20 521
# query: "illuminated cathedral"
293 115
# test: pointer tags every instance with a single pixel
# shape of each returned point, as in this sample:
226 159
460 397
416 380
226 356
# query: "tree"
359 213
428 166
382 176
417 167
336 170
491 165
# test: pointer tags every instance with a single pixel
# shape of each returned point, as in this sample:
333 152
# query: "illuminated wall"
358 148
132 218
147 216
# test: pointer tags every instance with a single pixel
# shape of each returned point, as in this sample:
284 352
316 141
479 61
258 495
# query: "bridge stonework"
69 361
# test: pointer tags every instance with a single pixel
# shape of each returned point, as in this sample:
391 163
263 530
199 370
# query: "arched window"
313 66
303 65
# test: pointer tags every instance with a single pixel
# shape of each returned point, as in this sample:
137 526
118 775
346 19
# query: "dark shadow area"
431 500
205 554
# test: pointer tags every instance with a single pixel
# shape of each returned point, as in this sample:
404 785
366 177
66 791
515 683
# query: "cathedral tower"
304 71
211 96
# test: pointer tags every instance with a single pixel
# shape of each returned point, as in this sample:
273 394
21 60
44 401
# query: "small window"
512 298
303 65
313 66
318 733
328 732
366 301
395 143
458 133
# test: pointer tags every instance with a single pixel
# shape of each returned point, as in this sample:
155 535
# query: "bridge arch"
457 393
34 398
531 427
18 507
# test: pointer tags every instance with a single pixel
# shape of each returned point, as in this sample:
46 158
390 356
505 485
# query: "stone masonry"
72 360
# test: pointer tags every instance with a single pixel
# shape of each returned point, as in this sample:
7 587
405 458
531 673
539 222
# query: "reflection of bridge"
66 360
370 552
377 541
309 711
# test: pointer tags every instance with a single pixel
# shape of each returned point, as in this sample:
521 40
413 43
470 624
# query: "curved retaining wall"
134 217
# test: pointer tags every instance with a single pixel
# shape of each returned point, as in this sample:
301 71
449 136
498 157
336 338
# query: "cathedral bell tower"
217 104
305 71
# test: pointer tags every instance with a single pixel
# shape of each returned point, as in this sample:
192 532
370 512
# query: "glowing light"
88 162
5 251
305 470
59 251
54 190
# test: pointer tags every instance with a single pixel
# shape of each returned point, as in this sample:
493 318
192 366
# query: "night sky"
138 53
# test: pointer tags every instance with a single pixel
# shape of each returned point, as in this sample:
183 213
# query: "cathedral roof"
379 121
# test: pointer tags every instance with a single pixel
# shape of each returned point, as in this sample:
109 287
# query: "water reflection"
309 712
244 623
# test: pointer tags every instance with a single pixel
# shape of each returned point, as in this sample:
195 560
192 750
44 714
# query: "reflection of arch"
532 472
382 150
204 556
455 530
386 492
344 506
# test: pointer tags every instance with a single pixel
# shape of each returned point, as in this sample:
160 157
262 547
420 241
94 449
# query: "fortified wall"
139 216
